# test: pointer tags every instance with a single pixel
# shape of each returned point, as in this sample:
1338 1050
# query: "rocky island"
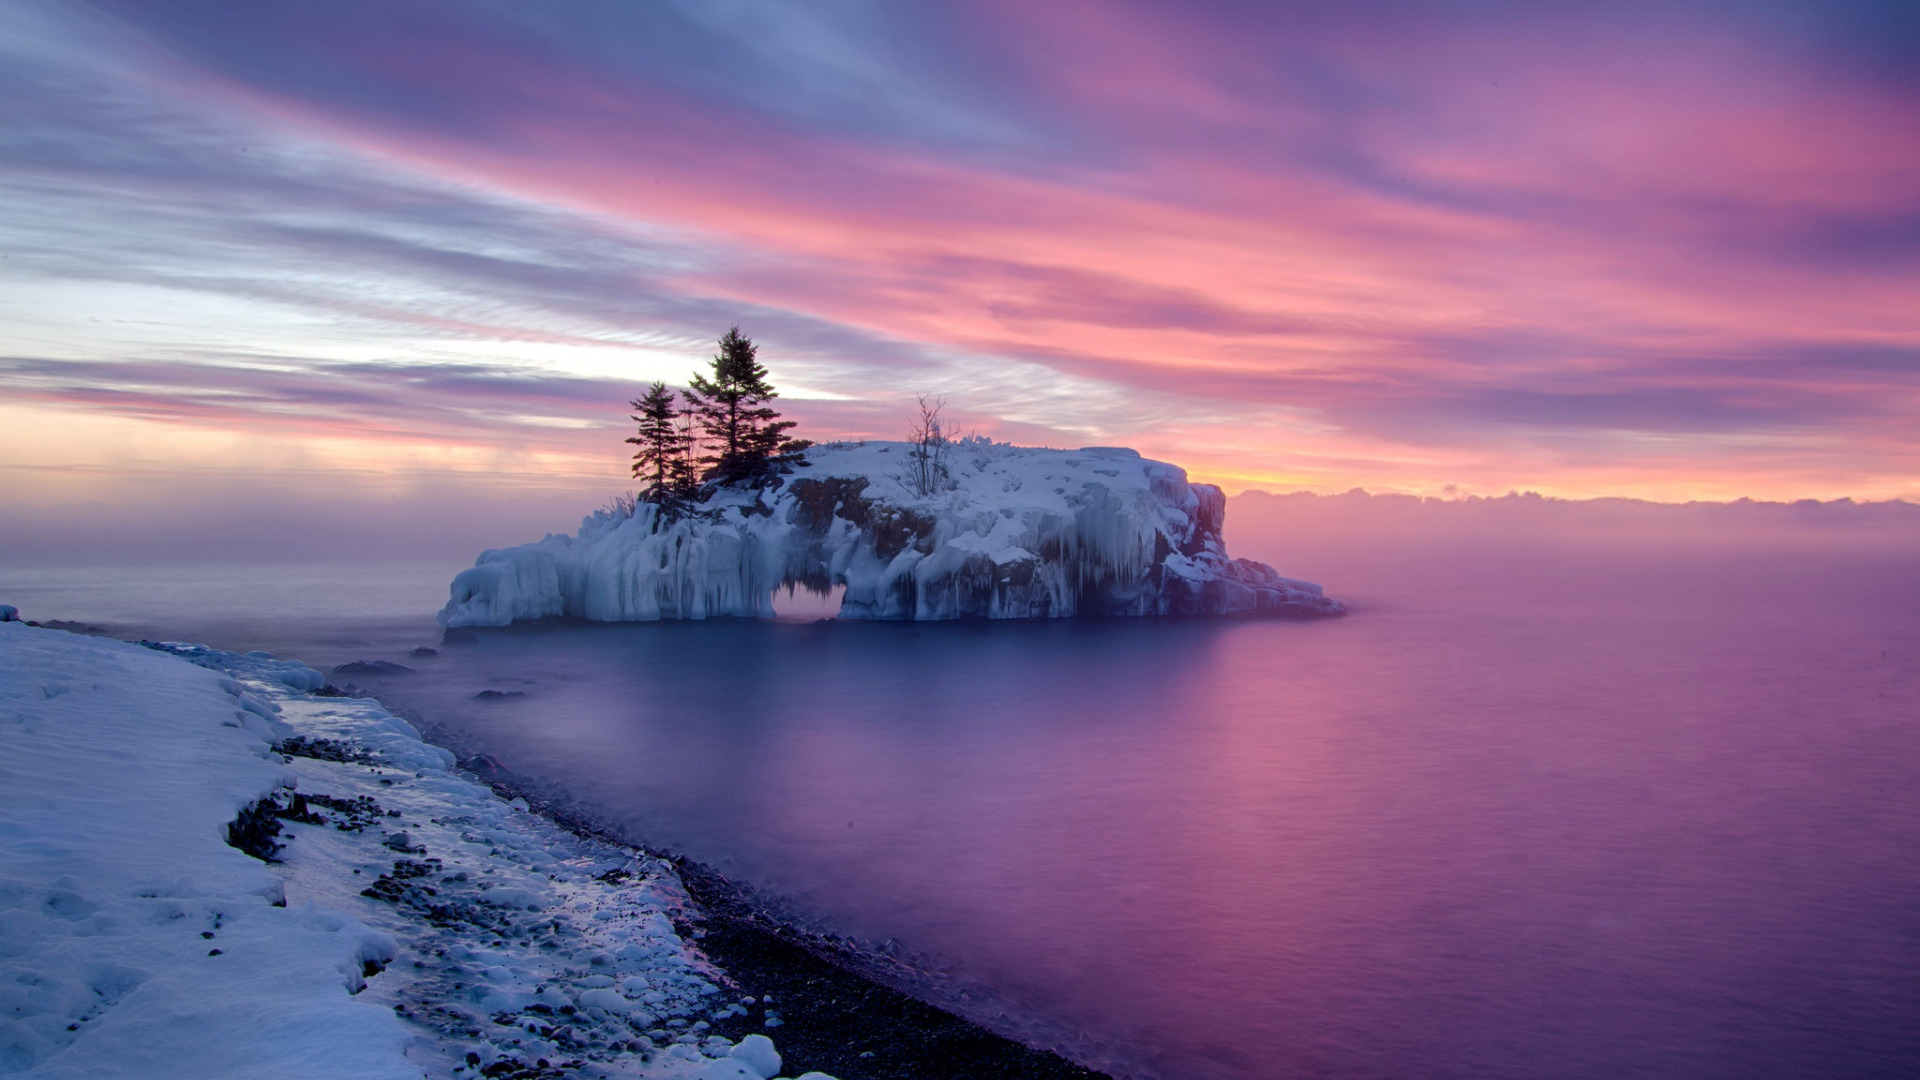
1004 532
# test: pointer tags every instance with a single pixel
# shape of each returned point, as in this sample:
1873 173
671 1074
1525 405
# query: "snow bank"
1016 533
413 922
119 771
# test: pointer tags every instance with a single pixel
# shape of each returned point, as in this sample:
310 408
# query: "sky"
416 252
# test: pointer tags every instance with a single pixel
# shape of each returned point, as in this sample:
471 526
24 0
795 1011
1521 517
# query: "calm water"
1651 812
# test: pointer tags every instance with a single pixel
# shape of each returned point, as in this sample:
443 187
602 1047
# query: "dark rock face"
256 830
816 503
372 667
1245 587
486 767
1229 586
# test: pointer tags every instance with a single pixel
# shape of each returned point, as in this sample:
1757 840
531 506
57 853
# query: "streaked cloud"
1641 249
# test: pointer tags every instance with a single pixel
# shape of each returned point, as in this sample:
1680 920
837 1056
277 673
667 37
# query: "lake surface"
1577 811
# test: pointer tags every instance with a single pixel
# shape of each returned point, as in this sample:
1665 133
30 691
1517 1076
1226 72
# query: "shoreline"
840 1010
509 943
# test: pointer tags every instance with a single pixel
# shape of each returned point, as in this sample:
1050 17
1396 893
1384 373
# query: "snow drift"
1012 533
134 941
420 926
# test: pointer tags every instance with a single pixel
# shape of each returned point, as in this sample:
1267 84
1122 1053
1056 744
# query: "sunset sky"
1668 250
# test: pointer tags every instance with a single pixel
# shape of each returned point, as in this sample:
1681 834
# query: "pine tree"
746 437
661 460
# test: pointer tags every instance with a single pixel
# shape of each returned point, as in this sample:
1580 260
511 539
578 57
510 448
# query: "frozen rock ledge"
1013 533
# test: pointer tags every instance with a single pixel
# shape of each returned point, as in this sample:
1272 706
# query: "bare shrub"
927 450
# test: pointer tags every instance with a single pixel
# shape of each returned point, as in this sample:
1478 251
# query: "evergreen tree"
661 460
746 438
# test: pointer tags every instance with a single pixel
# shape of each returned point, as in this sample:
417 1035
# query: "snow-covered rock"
1013 533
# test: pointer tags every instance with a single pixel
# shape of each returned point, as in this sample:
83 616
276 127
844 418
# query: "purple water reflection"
1644 813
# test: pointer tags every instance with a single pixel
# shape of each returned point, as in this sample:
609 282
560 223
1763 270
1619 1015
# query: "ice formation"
1011 533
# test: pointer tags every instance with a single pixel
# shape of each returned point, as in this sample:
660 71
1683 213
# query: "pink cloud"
1435 239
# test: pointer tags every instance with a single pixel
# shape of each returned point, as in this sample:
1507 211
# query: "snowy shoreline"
413 921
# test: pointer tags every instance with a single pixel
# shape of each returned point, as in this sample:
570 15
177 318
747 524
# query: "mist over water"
1603 800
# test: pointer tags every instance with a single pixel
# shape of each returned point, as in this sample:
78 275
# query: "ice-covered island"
1007 533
